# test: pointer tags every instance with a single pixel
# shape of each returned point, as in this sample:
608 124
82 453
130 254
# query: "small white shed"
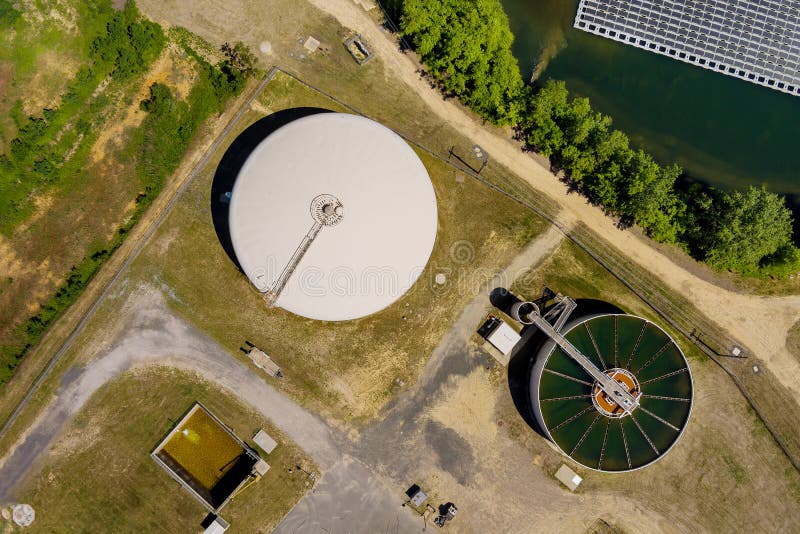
503 338
568 477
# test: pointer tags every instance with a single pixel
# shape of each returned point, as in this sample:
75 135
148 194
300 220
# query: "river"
721 130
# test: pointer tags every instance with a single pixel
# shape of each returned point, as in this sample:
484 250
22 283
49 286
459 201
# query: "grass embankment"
726 455
99 475
350 369
105 150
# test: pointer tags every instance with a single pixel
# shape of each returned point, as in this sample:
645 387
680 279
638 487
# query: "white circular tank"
333 217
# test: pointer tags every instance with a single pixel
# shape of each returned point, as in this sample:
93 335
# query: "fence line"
682 315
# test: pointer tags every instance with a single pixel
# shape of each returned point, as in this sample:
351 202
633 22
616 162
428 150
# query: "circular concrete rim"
543 355
378 250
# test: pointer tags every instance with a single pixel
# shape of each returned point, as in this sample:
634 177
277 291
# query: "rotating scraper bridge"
612 391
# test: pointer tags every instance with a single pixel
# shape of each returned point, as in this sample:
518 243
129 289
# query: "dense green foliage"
240 57
156 150
129 43
171 124
48 147
466 44
738 230
600 162
8 15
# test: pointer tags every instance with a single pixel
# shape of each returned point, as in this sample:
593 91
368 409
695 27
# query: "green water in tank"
601 442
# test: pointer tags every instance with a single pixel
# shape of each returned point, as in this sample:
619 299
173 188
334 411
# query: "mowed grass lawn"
99 476
351 369
725 458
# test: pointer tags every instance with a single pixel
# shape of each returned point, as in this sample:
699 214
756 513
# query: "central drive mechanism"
327 210
608 404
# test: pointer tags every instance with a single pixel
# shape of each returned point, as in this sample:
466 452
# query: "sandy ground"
446 438
760 323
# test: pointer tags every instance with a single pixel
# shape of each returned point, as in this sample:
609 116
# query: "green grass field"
99 475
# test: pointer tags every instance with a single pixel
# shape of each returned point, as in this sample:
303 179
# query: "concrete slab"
265 441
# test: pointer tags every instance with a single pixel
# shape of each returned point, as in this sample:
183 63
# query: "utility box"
568 477
501 336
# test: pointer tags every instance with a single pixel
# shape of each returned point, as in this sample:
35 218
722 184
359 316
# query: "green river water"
721 130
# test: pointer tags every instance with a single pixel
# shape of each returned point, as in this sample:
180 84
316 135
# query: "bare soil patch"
171 69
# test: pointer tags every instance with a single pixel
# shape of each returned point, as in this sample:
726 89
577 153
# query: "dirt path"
760 323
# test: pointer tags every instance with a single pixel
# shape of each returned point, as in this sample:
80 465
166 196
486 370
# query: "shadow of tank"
232 162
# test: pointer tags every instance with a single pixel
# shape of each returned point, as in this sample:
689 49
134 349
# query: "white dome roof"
368 250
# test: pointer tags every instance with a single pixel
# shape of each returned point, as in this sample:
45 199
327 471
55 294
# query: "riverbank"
722 131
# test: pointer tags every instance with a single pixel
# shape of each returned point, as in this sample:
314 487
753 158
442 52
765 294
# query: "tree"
129 44
467 46
539 122
161 100
240 57
747 227
8 15
649 199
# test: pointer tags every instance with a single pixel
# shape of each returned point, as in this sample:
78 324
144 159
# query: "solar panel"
755 40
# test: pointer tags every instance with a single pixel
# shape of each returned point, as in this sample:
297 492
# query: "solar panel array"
755 40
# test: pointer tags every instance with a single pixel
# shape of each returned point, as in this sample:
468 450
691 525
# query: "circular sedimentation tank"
333 217
585 423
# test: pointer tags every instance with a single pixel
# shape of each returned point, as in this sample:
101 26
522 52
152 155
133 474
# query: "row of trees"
738 230
171 124
467 46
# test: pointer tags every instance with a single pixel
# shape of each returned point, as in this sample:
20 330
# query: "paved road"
452 357
157 337
349 499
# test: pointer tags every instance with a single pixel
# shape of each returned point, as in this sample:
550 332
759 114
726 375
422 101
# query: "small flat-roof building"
568 477
504 338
